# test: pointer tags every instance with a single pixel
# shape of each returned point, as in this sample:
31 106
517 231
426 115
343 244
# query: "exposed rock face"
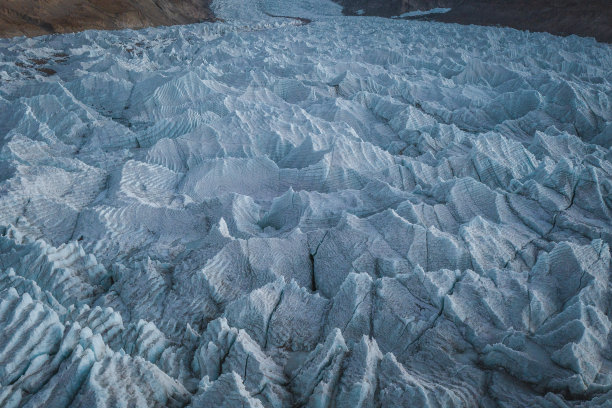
388 8
38 17
561 17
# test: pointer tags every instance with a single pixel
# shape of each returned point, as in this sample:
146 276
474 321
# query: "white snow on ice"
418 13
355 212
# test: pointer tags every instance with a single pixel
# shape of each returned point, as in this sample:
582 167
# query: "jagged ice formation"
354 212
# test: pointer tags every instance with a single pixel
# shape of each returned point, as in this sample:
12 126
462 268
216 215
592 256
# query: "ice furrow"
352 212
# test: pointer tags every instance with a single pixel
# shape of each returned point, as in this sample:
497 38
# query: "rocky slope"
389 8
561 17
37 17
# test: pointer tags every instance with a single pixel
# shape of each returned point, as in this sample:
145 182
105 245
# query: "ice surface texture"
355 212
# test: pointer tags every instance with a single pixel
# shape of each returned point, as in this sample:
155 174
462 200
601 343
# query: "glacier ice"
266 212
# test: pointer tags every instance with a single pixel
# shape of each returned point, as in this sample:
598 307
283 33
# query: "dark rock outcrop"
561 17
39 17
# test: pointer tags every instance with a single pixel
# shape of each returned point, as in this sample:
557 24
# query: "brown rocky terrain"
38 17
591 18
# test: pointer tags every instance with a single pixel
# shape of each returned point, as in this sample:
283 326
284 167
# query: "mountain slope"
562 17
38 17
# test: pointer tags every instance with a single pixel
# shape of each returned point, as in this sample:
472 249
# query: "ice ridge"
271 212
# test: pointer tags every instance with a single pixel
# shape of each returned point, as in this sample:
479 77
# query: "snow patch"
418 13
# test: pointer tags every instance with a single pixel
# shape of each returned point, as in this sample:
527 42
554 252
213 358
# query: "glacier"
308 210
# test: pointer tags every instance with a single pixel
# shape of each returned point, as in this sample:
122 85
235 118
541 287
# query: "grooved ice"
266 212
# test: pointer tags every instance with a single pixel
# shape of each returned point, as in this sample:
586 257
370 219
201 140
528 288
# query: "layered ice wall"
355 212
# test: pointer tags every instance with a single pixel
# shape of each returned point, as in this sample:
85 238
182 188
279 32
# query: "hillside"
38 17
560 17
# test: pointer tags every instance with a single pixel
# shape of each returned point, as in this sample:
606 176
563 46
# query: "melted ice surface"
354 212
